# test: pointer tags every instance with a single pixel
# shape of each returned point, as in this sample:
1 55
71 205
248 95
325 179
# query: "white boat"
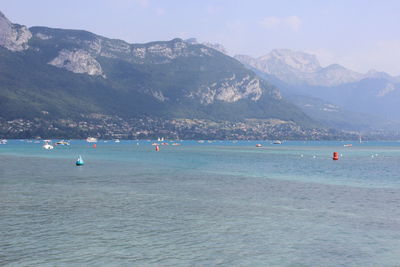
91 140
258 145
117 141
277 142
3 141
47 146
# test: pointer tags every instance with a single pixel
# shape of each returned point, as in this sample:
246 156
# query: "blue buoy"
79 161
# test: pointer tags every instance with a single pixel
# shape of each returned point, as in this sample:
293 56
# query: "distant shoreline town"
112 127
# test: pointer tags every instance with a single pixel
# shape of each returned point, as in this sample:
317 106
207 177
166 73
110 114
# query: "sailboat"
79 161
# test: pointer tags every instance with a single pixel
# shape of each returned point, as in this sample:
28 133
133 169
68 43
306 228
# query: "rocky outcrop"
78 61
216 46
229 90
14 37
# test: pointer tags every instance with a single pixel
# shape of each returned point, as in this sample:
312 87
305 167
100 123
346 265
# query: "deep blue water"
220 203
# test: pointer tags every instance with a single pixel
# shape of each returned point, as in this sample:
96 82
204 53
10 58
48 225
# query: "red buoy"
94 145
335 156
157 148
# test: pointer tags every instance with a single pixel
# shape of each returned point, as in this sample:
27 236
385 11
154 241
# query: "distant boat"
277 142
62 143
47 146
117 141
258 145
176 144
3 141
160 139
347 145
79 161
91 140
200 141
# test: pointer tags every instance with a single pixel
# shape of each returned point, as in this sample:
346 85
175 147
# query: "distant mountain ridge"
299 73
294 67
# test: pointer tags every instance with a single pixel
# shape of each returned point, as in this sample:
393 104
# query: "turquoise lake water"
220 203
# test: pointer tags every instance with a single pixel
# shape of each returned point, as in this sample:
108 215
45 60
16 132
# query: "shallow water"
220 203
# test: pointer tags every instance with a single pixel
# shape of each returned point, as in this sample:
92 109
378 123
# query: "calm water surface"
220 203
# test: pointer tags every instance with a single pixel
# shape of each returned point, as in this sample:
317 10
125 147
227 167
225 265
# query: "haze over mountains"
373 95
50 74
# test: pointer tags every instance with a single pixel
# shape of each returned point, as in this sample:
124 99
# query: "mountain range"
49 74
362 101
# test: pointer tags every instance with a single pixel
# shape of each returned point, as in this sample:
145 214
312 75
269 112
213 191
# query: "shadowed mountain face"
67 73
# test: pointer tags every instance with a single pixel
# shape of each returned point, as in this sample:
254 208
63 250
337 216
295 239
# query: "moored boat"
62 143
47 146
91 140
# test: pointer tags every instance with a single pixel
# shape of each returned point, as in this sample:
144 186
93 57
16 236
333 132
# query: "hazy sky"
358 34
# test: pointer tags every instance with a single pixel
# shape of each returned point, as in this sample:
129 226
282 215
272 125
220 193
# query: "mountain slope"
56 73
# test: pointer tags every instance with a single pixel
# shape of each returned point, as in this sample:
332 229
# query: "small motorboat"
62 143
348 145
79 161
47 146
258 145
277 142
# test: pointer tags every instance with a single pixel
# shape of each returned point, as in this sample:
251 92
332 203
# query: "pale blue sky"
358 34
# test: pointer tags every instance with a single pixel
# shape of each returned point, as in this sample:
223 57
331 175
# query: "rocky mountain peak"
216 46
294 67
299 61
12 36
380 75
5 24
